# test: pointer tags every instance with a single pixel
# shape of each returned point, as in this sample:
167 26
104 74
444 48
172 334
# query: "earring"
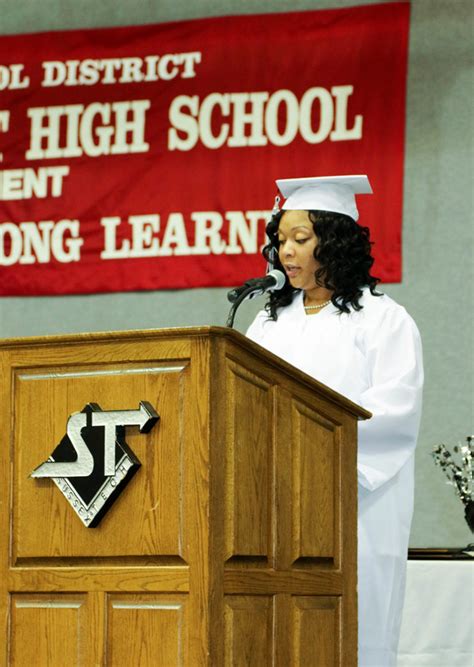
273 254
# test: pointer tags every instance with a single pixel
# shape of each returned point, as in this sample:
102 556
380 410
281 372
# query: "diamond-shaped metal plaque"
93 464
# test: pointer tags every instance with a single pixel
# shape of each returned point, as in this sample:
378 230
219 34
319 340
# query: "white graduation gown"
372 356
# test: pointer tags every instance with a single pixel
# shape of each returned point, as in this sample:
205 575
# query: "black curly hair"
343 253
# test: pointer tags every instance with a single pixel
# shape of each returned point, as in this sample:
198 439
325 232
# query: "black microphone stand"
237 302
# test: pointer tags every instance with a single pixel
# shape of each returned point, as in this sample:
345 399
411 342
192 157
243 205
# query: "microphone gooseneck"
274 280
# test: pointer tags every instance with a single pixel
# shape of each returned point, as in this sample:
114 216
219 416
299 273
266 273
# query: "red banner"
145 157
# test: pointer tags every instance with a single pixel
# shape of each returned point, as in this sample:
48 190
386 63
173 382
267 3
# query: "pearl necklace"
319 306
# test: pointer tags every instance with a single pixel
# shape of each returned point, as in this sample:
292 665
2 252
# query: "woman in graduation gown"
331 322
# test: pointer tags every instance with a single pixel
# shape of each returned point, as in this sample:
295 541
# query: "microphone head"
273 280
279 277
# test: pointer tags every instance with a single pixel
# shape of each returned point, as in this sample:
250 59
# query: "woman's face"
296 250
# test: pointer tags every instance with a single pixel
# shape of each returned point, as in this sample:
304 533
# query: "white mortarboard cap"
326 193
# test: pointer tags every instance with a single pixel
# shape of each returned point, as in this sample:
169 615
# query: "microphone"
274 280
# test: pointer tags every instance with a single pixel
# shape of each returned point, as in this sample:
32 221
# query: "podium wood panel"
147 630
49 630
234 544
158 529
316 621
316 485
249 417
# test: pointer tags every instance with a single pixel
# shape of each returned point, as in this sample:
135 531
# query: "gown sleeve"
255 331
395 380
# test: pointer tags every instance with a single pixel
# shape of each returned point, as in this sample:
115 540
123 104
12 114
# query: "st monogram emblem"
93 464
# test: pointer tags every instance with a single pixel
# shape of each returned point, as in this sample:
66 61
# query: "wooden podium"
235 542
